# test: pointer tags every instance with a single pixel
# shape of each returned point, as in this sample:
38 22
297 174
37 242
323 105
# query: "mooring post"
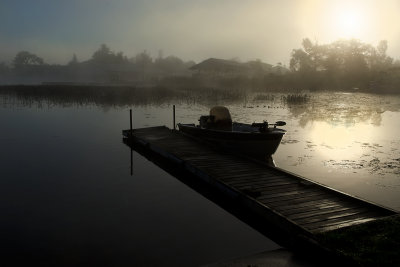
131 162
130 137
173 108
130 121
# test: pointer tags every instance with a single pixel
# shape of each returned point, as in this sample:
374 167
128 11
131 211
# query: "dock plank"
289 208
343 220
309 212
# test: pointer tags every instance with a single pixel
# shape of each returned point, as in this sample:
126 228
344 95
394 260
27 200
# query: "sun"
348 21
366 20
340 19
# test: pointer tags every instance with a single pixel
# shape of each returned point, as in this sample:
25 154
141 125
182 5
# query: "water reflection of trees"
344 109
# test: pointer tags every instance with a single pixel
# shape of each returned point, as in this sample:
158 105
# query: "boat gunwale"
274 131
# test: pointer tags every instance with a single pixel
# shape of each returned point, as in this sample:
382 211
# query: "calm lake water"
67 194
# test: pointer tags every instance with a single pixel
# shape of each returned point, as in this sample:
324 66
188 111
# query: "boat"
256 139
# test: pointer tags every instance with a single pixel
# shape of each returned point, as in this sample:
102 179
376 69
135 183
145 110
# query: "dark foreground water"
67 196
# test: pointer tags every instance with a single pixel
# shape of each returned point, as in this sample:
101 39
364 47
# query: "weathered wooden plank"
340 225
277 188
341 220
280 188
289 193
331 215
260 180
264 179
296 198
214 158
218 165
295 186
237 178
232 175
302 200
310 205
229 173
234 168
272 187
271 184
311 211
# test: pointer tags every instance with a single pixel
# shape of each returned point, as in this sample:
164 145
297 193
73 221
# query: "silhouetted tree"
343 63
4 68
104 56
143 63
170 64
300 61
143 59
74 61
380 60
25 58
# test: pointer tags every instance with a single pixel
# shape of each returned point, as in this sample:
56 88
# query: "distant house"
218 66
222 67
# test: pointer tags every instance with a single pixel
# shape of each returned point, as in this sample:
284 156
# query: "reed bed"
291 99
102 95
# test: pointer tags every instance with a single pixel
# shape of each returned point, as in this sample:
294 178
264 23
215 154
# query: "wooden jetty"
291 203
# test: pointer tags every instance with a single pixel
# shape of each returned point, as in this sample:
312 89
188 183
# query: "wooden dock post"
173 108
130 121
131 161
131 135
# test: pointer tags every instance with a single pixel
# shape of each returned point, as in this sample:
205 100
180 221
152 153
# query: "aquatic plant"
373 243
264 97
108 95
295 98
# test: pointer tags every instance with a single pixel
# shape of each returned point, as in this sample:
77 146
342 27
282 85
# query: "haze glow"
192 30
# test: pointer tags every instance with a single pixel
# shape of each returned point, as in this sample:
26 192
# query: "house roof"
223 65
215 64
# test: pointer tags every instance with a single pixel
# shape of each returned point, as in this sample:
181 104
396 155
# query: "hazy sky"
191 29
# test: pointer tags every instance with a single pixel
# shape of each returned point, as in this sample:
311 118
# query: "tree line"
340 65
345 64
104 66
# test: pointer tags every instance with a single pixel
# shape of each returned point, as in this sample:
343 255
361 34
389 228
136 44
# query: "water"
349 142
67 195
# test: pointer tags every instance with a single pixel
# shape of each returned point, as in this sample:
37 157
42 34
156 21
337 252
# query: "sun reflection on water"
338 141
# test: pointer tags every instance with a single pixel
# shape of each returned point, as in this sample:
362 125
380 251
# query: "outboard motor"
221 119
279 123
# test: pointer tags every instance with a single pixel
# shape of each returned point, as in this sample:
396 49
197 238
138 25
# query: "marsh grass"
376 243
265 97
291 99
117 96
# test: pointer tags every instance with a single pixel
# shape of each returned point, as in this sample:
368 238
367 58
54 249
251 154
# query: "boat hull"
256 144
